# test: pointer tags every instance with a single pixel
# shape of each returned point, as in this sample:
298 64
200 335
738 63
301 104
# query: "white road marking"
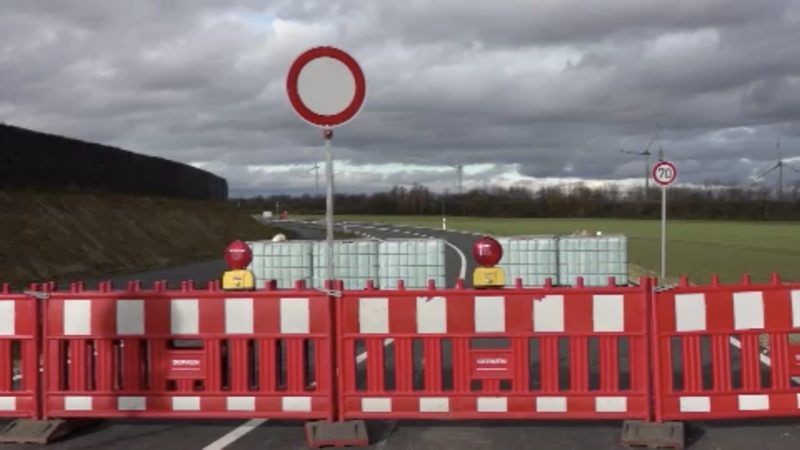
251 425
235 435
463 272
764 358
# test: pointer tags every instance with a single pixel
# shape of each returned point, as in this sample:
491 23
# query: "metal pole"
663 233
328 135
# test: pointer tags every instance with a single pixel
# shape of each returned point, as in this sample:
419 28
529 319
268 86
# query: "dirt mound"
71 236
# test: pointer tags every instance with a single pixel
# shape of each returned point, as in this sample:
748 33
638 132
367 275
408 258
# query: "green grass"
694 248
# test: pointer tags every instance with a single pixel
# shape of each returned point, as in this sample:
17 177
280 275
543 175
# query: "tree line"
577 200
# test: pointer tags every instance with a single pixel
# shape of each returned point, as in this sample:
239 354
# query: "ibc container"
285 262
530 258
355 262
414 261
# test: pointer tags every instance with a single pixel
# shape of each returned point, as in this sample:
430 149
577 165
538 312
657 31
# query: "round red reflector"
238 255
487 251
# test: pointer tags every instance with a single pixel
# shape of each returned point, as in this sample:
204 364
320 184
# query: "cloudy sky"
523 92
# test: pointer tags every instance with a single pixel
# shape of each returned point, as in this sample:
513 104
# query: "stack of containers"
529 258
284 262
595 258
355 262
415 261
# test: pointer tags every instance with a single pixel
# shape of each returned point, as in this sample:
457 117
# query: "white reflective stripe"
302 404
186 403
490 314
240 403
373 315
754 402
695 404
130 316
492 404
611 404
608 313
7 318
548 313
434 404
748 310
796 309
8 403
78 403
294 316
690 312
376 405
551 404
239 315
431 315
131 403
184 316
77 317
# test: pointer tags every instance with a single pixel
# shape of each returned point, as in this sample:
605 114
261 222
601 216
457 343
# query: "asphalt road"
396 435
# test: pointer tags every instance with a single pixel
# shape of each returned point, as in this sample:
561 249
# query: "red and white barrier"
112 354
723 351
525 318
18 355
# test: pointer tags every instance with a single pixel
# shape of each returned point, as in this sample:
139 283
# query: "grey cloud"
546 85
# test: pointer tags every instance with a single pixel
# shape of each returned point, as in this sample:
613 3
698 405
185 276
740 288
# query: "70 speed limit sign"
664 173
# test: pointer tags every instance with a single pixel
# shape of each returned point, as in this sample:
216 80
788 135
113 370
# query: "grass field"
694 248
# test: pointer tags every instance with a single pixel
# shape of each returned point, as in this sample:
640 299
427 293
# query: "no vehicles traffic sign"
664 173
326 86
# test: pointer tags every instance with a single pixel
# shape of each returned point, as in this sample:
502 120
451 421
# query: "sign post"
664 174
326 88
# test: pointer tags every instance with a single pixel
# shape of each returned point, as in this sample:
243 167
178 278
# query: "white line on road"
363 355
234 435
251 425
738 344
463 272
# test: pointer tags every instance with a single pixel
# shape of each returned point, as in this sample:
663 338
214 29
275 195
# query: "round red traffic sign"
664 173
326 86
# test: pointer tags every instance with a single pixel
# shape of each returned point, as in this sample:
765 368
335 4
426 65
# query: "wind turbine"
646 153
316 176
778 165
460 173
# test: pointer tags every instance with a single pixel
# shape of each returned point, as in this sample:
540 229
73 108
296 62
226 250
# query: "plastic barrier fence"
729 351
18 355
710 352
189 353
510 353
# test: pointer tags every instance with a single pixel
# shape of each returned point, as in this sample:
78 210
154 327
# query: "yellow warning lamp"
487 252
238 256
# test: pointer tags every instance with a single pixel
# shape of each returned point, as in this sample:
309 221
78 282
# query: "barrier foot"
351 433
636 433
30 431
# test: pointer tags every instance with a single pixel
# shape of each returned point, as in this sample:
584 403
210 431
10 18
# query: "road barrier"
727 351
19 383
339 357
503 353
188 353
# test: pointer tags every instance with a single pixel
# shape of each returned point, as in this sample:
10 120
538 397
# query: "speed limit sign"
664 173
